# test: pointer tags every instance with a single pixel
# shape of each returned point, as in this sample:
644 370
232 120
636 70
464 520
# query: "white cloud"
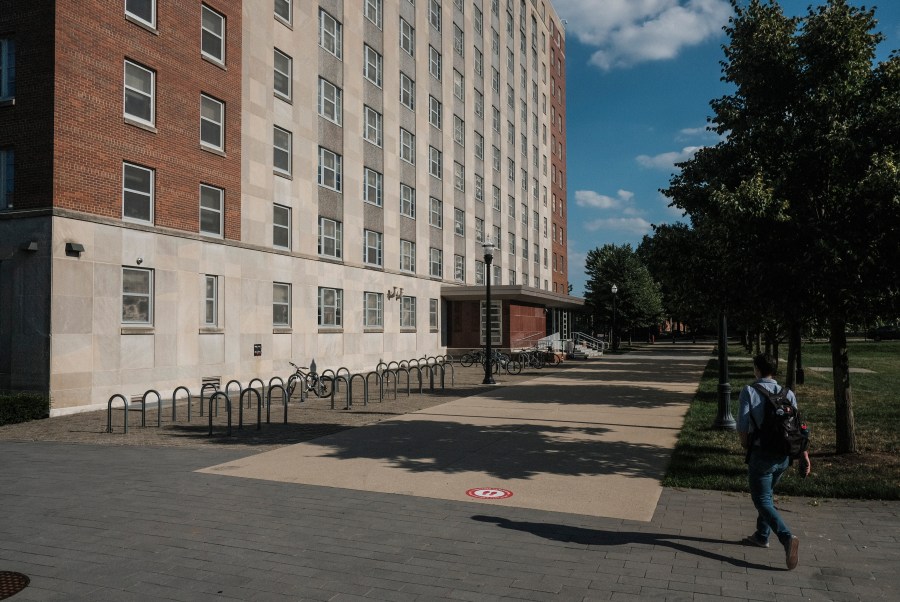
667 161
628 32
589 198
628 225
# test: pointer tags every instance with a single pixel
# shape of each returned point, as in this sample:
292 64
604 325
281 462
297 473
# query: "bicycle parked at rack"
498 361
312 382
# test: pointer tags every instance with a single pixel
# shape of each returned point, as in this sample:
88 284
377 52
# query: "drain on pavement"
12 583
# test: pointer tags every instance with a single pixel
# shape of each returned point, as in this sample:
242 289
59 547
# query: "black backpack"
782 432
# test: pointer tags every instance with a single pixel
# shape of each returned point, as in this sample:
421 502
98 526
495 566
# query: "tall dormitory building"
210 189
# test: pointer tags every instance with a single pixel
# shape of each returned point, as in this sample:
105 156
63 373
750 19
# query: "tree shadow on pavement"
597 537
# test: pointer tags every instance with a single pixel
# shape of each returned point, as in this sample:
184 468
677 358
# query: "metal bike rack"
342 371
175 395
215 396
402 362
380 382
284 400
396 366
334 389
228 385
203 395
262 386
109 412
365 388
418 365
289 386
249 404
389 376
449 364
419 372
158 405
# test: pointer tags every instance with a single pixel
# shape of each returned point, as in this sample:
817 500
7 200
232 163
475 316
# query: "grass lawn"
709 459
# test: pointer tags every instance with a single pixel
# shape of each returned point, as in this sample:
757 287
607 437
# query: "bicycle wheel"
553 359
466 360
514 367
323 387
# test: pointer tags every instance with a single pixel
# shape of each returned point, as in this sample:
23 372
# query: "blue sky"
640 75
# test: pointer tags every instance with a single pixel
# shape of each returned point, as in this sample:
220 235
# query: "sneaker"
792 552
754 540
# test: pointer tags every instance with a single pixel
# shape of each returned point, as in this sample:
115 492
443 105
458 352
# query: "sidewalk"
380 512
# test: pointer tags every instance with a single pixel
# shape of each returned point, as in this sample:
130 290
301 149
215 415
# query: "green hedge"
22 407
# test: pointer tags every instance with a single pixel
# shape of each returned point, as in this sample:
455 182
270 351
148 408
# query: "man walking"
764 467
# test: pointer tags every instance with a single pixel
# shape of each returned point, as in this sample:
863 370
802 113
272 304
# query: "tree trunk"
790 380
757 342
845 429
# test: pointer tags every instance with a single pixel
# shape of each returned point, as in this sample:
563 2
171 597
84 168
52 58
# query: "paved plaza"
372 503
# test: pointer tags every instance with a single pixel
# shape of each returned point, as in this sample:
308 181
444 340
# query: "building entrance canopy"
513 292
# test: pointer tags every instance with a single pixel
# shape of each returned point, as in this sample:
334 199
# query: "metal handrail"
589 341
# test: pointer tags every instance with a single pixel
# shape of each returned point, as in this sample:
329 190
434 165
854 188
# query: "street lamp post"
488 247
724 421
614 289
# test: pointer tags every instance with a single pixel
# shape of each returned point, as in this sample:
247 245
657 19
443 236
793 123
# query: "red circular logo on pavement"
489 493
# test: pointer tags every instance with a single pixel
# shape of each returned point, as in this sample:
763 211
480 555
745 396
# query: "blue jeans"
764 472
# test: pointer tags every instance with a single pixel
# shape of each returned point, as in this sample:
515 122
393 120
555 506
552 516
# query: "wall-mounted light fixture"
74 249
396 293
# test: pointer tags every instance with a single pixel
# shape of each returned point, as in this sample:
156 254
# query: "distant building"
208 189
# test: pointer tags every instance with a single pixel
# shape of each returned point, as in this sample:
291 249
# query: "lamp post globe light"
488 247
614 290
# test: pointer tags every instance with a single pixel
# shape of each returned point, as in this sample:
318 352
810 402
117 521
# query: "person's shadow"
589 537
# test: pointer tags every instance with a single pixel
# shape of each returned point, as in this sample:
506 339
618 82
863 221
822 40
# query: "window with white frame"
536 221
511 242
459 268
459 176
511 205
433 316
281 304
434 63
495 158
459 4
283 10
407 312
525 214
137 296
212 34
497 271
373 310
459 130
373 12
479 230
282 151
435 262
7 178
434 14
479 272
459 85
459 222
373 248
511 171
331 307
497 240
478 20
479 146
210 300
495 198
330 169
479 188
511 275
536 252
372 126
281 226
212 204
458 40
495 80
435 162
7 68
479 104
407 256
331 103
373 186
137 193
436 213
407 201
283 79
407 37
142 10
407 91
495 42
331 35
140 93
407 146
331 235
546 259
372 65
479 63
212 122
435 112
524 248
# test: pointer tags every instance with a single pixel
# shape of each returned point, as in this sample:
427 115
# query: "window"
281 227
479 63
283 71
478 21
495 198
459 176
407 312
8 179
535 221
434 14
330 101
495 42
372 128
479 104
372 248
435 162
407 92
7 68
434 63
536 253
330 238
407 37
373 309
407 201
142 10
435 262
372 66
511 206
524 248
479 230
459 222
331 305
283 10
212 122
479 272
330 34
459 85
495 119
281 161
211 209
140 92
407 146
434 112
373 186
459 268
512 243
433 314
479 146
459 131
137 296
495 158
458 40
137 193
407 256
211 301
525 214
512 276
436 213
373 12
212 34
281 304
479 188
330 169
497 240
